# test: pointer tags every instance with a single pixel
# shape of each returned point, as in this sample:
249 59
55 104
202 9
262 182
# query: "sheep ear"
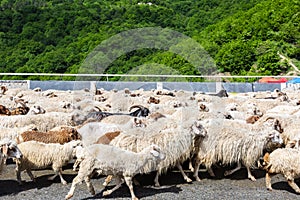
291 144
271 135
154 153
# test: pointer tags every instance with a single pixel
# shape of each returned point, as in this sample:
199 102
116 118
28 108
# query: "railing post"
28 84
159 86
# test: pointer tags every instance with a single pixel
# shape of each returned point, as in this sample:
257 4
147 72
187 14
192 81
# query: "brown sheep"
153 100
203 108
4 110
64 135
107 137
252 119
19 111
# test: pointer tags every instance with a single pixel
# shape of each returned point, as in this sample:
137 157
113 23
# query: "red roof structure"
272 80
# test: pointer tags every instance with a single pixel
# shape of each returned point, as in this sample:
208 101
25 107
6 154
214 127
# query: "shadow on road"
140 192
12 187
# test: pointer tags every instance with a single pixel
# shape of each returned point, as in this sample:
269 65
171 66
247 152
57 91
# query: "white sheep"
42 122
90 132
285 161
35 110
37 155
111 160
176 140
12 133
230 145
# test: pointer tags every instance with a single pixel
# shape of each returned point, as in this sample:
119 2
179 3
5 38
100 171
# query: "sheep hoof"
269 188
227 173
297 191
107 192
64 182
105 184
69 196
252 178
157 185
198 179
93 192
189 180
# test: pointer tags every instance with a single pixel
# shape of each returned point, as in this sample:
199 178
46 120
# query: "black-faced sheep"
79 118
8 149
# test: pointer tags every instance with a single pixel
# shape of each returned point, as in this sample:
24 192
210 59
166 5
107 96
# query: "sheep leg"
89 185
250 176
107 180
83 172
77 162
128 181
186 178
191 166
78 179
294 185
196 171
28 171
118 185
229 172
19 179
268 181
211 172
156 183
58 172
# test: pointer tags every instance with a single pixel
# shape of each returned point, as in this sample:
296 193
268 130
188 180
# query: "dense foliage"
242 37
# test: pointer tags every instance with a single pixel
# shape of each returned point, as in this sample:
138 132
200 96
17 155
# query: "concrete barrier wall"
207 87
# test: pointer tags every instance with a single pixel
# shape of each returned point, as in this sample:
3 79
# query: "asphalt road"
172 187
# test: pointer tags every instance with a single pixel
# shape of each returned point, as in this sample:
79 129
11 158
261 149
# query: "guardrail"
140 75
210 86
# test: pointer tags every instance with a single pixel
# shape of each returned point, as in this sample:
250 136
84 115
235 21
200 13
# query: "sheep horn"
97 109
136 106
268 118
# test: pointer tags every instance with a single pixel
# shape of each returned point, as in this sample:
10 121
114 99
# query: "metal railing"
141 75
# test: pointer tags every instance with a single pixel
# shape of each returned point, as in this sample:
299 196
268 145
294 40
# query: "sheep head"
3 89
295 144
157 153
4 110
10 149
274 141
198 129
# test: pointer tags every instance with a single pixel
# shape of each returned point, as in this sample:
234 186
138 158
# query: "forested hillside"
240 35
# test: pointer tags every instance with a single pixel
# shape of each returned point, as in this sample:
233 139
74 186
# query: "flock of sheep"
124 133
